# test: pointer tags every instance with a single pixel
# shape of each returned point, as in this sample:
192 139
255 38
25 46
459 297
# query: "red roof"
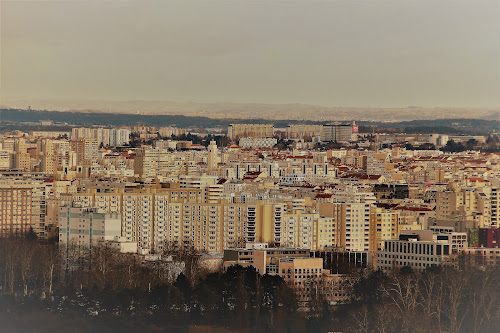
475 179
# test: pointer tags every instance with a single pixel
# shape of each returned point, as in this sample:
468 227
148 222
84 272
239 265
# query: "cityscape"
322 211
247 167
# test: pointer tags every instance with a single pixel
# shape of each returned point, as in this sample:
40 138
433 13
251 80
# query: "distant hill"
444 126
293 111
493 116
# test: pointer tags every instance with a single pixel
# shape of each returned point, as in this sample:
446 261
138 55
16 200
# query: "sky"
371 53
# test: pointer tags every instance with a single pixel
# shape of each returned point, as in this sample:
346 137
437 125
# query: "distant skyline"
376 53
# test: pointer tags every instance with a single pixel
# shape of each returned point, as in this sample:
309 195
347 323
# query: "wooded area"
108 290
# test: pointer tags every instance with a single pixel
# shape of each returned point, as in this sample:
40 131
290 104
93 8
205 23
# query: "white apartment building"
85 227
106 136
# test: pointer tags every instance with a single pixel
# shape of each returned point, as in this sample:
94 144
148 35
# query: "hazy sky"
332 53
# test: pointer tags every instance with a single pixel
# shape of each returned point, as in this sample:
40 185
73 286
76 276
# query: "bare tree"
403 293
482 298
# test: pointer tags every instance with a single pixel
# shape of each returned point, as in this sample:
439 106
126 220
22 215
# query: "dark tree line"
452 298
101 288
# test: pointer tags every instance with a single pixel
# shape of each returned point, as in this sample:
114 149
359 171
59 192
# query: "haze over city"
327 53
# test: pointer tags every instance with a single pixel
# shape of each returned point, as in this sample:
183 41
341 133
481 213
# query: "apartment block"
338 132
306 132
85 227
22 206
352 223
236 131
383 226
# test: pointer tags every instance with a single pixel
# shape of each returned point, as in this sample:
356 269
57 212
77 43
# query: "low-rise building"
418 250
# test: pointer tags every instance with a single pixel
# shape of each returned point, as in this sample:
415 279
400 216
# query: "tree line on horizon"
443 126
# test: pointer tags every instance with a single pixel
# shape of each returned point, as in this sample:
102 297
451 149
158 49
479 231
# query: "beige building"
352 223
466 203
21 158
86 150
383 226
49 161
236 131
303 131
22 206
304 274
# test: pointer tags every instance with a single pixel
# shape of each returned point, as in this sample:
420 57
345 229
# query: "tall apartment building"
383 226
352 223
154 216
338 132
86 150
469 203
5 162
257 142
236 131
48 157
495 207
167 132
303 131
106 136
22 206
85 227
212 156
119 136
142 210
152 163
305 230
21 158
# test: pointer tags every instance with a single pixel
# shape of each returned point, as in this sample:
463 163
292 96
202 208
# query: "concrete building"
212 156
265 260
383 226
85 227
352 222
49 163
21 158
338 132
86 150
236 131
257 142
104 136
306 132
418 250
151 163
5 160
489 238
22 206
